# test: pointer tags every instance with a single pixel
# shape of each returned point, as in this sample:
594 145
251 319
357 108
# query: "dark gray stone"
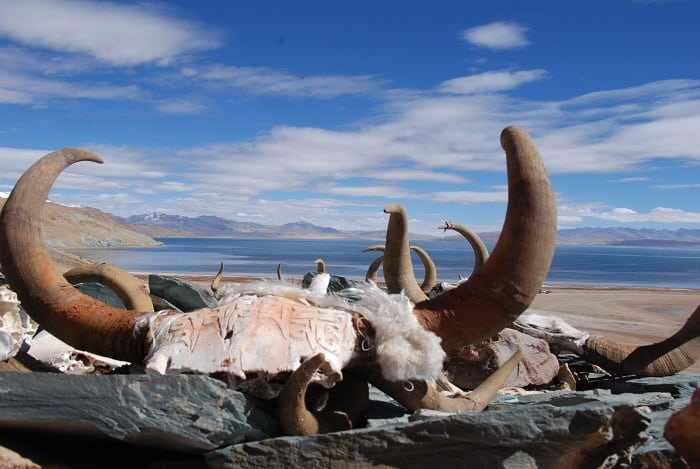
540 430
336 283
184 413
101 292
183 295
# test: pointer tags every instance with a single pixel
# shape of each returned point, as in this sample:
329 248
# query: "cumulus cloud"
497 36
112 32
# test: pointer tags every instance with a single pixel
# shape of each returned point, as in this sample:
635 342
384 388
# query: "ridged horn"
75 318
508 281
481 252
132 292
663 358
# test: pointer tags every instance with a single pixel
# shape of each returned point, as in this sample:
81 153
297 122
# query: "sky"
327 111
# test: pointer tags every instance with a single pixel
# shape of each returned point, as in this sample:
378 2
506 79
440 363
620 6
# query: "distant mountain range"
67 227
159 224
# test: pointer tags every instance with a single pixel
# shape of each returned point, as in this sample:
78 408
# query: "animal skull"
272 336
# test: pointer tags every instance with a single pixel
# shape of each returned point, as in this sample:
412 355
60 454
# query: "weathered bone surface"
260 336
403 341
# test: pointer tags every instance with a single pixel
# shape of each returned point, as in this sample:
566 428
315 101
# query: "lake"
580 265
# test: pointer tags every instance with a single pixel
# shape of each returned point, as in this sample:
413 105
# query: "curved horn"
371 275
320 265
351 394
481 252
217 279
398 268
442 395
663 358
429 278
128 288
75 318
280 276
508 281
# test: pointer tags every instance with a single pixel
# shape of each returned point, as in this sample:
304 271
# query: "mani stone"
185 296
471 365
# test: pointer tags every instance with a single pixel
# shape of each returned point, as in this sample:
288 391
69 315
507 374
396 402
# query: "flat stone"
183 413
183 295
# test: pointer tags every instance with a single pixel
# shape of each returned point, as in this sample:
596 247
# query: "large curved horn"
75 318
481 252
128 288
508 281
663 358
429 278
398 268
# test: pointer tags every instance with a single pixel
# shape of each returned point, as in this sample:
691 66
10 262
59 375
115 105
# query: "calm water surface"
582 265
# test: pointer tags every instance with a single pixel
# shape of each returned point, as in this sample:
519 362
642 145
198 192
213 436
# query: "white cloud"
115 33
491 81
263 80
656 215
497 36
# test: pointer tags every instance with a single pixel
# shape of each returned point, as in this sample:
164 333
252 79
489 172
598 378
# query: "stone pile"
61 419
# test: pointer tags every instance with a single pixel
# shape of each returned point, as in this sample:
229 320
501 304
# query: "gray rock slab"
184 413
539 431
184 295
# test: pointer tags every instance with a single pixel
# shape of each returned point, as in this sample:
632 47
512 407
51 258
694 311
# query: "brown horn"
345 409
371 275
217 279
663 358
320 265
429 395
508 281
398 268
46 295
481 252
128 288
280 275
429 279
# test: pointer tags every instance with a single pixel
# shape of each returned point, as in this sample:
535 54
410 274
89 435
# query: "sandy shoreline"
632 315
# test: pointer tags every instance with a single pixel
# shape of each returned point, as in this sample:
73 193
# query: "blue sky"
327 111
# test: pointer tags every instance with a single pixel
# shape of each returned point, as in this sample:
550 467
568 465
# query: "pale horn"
481 252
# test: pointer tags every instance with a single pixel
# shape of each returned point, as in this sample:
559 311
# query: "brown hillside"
72 227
